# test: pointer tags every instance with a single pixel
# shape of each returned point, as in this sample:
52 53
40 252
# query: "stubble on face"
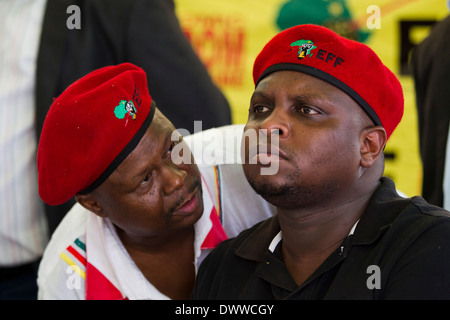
193 186
291 193
319 128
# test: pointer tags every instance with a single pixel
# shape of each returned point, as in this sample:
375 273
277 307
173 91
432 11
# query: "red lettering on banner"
219 42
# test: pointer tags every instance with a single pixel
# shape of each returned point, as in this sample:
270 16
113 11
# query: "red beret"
349 65
90 129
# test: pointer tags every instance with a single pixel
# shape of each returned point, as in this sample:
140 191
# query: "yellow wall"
229 34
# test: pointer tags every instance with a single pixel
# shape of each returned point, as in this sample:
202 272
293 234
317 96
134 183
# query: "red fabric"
98 287
87 127
216 235
351 62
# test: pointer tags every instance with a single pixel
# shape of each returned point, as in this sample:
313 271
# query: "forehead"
294 85
292 81
154 140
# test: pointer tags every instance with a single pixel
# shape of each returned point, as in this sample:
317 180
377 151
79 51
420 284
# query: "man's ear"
90 202
373 141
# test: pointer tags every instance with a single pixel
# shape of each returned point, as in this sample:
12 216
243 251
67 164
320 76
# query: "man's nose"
277 124
173 178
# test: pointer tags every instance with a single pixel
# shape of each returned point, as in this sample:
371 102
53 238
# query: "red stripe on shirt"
77 255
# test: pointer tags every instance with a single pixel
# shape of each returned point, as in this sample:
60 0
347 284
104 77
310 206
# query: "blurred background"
227 36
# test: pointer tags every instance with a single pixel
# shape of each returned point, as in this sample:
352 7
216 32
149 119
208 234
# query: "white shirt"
63 270
86 252
23 229
217 153
446 179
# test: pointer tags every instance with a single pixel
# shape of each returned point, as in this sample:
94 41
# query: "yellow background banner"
228 35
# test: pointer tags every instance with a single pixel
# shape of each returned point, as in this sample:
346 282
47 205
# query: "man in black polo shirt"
341 230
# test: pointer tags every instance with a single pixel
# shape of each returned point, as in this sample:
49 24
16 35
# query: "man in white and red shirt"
143 222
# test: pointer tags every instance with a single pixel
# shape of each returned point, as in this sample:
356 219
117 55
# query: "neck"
322 227
166 261
316 233
310 235
156 243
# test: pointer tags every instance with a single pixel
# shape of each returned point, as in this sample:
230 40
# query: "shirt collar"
380 213
384 206
256 244
276 240
209 231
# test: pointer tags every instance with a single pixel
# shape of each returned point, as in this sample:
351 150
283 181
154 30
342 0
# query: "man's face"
319 129
148 195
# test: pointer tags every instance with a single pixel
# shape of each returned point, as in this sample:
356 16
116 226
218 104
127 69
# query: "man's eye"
145 180
259 109
308 110
170 149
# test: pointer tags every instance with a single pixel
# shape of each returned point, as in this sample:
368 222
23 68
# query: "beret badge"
79 147
349 65
124 108
305 47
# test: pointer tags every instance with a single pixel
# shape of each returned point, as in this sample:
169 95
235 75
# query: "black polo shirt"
400 249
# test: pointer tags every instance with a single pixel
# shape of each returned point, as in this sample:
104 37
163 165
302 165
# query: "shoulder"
409 219
388 210
421 238
232 262
72 226
62 270
428 226
421 230
425 215
216 146
249 245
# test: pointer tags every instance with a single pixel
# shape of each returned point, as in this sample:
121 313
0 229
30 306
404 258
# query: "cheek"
132 213
191 169
251 171
337 156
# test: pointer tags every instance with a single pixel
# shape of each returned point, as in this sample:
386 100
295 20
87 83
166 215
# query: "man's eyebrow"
309 97
258 94
298 97
167 138
145 168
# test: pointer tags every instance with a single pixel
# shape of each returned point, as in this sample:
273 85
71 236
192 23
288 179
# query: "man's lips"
189 205
266 152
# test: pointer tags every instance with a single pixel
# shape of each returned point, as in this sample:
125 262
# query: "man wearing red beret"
143 223
341 230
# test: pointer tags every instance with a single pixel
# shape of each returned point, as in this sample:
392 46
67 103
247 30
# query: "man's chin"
275 194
